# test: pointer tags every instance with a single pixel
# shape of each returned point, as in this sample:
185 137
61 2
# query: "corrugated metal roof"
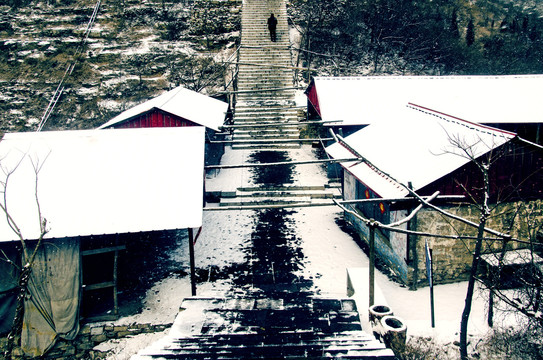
182 102
483 99
104 182
414 145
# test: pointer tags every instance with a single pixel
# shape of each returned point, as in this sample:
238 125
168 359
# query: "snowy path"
328 252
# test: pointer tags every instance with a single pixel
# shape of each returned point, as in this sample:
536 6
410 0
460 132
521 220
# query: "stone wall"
453 257
89 336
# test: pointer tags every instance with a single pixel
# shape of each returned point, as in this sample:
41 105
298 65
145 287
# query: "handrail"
233 80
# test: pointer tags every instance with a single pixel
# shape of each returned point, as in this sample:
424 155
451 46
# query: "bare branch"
418 197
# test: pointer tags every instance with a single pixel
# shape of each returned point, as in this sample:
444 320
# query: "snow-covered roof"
482 99
414 145
103 182
182 102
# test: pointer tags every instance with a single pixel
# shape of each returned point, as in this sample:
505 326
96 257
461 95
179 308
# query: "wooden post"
115 266
192 263
372 264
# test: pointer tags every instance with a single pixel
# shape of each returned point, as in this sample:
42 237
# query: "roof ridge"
463 122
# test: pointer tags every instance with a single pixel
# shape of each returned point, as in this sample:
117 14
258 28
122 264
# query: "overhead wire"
69 70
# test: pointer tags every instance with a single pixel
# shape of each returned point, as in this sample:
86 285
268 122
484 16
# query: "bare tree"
481 197
194 73
29 250
528 302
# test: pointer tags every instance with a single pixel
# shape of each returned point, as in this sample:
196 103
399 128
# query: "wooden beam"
102 285
103 250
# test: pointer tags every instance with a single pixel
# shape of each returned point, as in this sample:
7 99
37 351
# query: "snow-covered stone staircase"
260 328
265 112
272 310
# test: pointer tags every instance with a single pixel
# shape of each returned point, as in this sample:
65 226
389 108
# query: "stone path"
271 310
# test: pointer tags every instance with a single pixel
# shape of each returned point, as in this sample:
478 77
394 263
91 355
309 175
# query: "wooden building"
178 107
430 152
510 102
88 184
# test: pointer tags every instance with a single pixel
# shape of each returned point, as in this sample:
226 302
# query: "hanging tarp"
52 305
8 286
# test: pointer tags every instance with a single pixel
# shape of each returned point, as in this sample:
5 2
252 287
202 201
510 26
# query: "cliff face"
134 50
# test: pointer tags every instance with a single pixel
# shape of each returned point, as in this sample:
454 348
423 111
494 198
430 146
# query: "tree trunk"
19 311
485 212
471 287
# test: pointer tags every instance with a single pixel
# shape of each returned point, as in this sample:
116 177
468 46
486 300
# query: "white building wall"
398 241
349 186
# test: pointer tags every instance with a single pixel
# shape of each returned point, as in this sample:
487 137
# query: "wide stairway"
272 310
259 328
265 112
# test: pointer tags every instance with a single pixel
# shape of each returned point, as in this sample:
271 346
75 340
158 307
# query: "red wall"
155 118
516 173
313 98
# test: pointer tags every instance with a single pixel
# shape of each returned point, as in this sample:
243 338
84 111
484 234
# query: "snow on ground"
329 252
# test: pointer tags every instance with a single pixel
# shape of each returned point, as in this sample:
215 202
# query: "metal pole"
192 266
432 290
372 266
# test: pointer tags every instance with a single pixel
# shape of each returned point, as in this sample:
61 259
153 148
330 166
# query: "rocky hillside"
137 49
134 50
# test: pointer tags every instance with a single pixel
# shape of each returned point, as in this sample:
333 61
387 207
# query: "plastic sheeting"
8 287
52 306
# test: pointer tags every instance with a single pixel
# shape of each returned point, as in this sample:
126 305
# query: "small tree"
470 33
140 64
194 73
28 252
453 28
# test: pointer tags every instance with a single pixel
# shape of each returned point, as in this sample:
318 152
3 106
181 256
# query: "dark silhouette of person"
272 26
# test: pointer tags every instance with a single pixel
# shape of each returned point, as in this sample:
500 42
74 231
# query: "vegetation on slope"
421 37
135 51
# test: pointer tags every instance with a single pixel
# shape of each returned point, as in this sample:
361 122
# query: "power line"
60 88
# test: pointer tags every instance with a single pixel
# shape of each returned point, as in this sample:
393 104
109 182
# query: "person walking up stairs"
265 107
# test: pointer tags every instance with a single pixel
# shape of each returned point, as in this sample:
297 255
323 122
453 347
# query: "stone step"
289 187
278 135
293 325
279 84
268 133
311 194
265 92
265 201
285 146
265 115
259 118
265 103
266 121
252 77
285 128
255 130
270 108
265 138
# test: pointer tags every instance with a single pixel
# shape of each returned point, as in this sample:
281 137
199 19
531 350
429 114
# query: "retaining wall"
89 336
